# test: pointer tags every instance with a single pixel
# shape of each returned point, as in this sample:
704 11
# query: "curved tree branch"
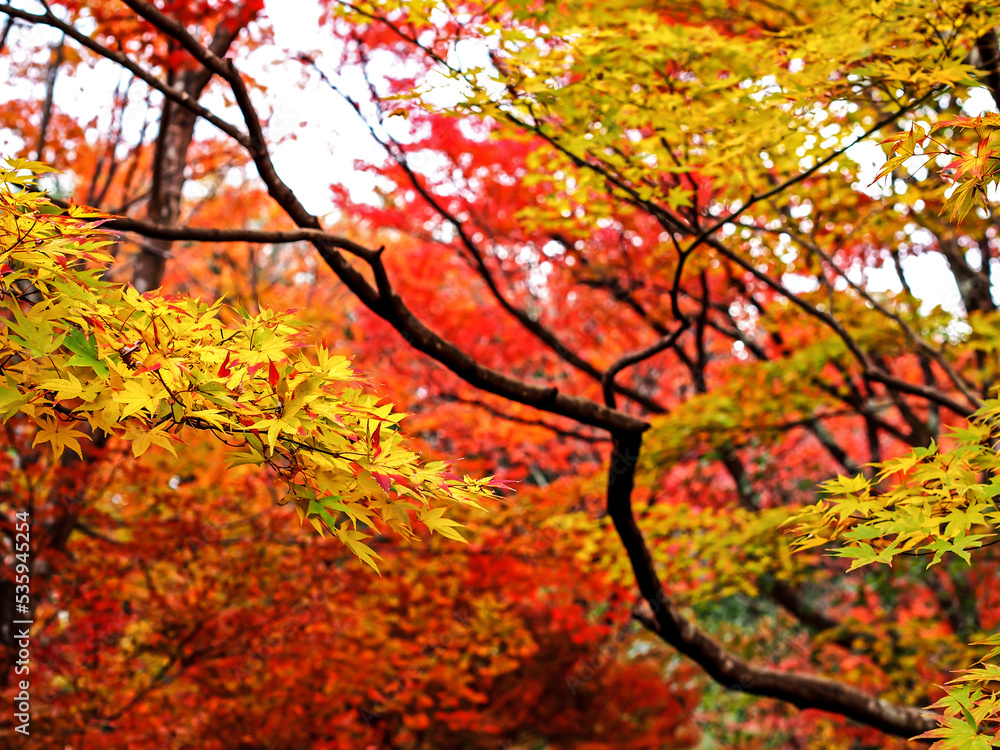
543 333
206 234
627 360
660 615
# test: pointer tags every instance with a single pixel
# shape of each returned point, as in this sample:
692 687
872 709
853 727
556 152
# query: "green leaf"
84 350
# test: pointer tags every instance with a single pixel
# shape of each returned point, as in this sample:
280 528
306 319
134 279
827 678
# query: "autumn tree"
642 260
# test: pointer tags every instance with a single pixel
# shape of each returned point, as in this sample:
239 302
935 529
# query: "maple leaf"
60 437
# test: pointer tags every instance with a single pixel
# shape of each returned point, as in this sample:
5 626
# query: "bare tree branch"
58 55
180 97
989 63
660 615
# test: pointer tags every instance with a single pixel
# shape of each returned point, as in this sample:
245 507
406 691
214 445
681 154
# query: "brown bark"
989 63
973 284
172 143
58 55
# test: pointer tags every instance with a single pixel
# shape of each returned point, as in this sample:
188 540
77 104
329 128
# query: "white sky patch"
929 277
928 274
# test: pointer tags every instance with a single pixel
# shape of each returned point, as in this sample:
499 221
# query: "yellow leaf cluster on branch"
80 355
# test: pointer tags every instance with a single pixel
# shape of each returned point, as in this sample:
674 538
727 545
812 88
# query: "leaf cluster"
82 356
